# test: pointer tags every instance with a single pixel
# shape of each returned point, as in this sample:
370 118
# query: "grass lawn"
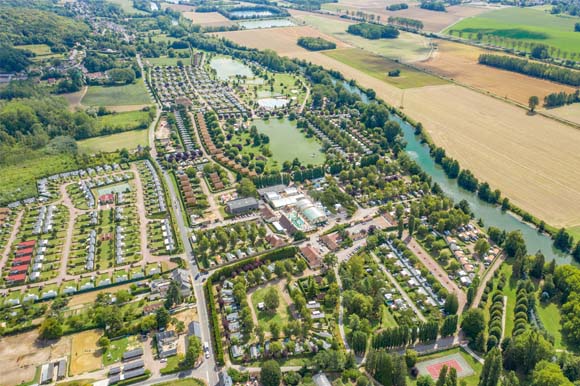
283 133
167 61
264 317
182 382
406 48
38 49
131 94
127 6
378 67
115 351
388 319
172 364
550 316
523 24
125 120
109 143
509 290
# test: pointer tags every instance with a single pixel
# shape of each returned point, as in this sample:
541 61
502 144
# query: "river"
491 215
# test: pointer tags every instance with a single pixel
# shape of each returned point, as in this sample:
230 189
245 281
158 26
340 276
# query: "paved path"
399 288
437 271
12 238
341 310
488 276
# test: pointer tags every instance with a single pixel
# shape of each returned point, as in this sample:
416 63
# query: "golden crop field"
459 62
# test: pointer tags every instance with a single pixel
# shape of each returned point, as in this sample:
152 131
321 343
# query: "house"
331 241
16 279
275 241
236 351
132 354
225 379
107 199
181 276
242 205
46 373
166 343
311 255
61 374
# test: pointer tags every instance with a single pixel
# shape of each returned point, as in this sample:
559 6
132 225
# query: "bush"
315 43
373 31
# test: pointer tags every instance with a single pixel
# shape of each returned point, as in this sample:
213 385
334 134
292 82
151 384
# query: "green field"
287 142
110 143
525 25
167 61
37 49
550 316
127 6
126 120
265 318
407 47
131 94
378 66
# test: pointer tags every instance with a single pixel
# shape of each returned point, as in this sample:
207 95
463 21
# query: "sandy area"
85 355
459 62
282 40
21 354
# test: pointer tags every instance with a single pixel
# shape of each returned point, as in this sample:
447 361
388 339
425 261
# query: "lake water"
251 14
256 24
272 103
287 142
227 68
490 214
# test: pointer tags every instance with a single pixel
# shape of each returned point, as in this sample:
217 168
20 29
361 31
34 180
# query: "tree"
526 350
359 342
270 373
425 380
492 368
514 244
473 323
275 330
533 102
411 358
247 188
481 247
549 374
50 328
272 300
104 343
173 295
162 316
193 352
451 304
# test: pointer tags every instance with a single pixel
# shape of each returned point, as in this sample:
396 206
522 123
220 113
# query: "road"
208 370
488 275
437 271
399 288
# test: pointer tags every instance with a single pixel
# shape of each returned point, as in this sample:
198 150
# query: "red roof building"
19 278
21 260
312 257
107 199
24 252
18 269
26 244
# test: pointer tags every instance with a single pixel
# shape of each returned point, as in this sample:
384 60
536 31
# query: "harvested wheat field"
22 353
85 355
207 18
570 113
432 21
282 40
178 7
533 160
459 62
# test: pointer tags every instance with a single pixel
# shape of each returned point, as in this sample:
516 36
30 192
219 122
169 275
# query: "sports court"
432 367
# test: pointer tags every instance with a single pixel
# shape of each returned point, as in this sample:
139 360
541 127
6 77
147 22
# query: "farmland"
281 40
132 94
109 143
378 66
407 47
459 62
525 25
125 120
433 21
207 18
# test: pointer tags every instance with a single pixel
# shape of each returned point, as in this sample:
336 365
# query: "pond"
227 68
287 142
272 103
250 14
490 214
256 24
